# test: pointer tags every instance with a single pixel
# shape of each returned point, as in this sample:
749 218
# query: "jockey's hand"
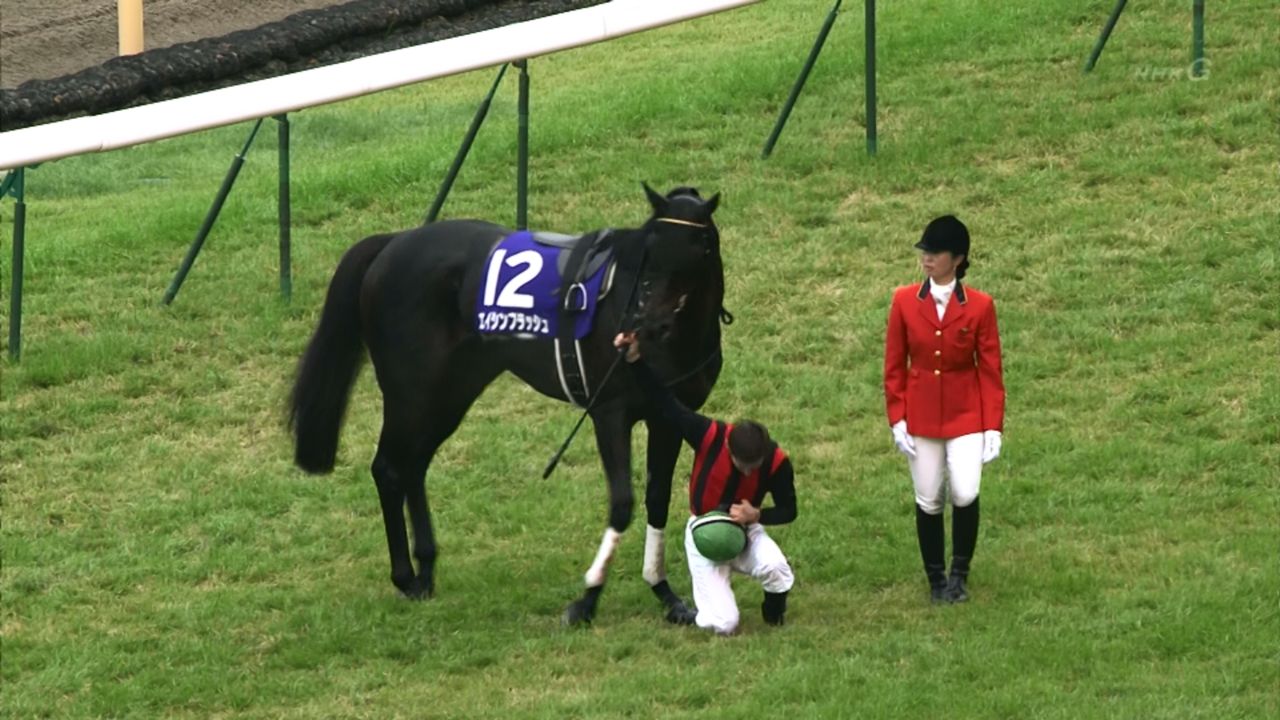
629 341
744 513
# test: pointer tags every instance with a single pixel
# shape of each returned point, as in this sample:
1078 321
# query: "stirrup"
575 298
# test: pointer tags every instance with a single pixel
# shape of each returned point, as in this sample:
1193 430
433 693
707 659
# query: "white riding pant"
960 457
762 559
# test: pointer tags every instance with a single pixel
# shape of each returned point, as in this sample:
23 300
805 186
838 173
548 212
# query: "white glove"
991 440
905 444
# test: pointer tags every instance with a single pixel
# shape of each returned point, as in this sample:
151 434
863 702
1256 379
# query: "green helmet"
717 537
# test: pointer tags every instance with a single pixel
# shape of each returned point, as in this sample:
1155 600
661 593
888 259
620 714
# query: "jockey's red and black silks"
716 484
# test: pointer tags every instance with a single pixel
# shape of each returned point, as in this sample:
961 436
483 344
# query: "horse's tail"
332 359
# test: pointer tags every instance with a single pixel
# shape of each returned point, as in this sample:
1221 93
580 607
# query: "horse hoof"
680 614
416 589
578 614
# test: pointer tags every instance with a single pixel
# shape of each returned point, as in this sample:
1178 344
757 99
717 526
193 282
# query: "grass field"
162 557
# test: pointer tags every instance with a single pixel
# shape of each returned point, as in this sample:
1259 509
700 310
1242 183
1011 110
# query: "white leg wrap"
655 556
600 566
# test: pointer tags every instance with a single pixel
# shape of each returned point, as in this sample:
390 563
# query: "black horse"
411 299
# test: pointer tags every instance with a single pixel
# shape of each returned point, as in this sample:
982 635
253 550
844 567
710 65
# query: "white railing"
122 128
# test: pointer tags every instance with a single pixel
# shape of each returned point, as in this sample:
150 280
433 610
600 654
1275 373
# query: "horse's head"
683 283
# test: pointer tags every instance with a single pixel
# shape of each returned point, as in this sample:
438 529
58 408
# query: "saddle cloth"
529 289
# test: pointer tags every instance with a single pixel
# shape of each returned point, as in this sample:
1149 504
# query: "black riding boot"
932 535
774 608
964 538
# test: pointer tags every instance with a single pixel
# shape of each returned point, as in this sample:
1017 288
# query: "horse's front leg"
613 438
663 449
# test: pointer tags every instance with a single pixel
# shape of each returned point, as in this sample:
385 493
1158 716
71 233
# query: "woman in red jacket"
944 394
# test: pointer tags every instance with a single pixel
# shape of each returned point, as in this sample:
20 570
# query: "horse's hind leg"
423 403
663 449
400 466
453 396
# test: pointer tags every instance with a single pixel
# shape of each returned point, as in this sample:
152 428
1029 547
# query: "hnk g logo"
1196 71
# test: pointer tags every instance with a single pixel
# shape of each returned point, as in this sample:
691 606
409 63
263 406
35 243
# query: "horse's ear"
658 202
713 203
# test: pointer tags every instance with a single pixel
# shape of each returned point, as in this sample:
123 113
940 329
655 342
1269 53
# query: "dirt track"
51 38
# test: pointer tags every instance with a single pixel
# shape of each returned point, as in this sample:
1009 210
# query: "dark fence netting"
308 39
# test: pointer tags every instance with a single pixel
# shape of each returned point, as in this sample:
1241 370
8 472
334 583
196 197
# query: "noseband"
676 221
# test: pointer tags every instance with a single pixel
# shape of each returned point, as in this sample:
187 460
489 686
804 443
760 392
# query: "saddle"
578 258
592 252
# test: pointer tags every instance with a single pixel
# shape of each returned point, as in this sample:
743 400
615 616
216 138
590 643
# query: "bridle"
725 316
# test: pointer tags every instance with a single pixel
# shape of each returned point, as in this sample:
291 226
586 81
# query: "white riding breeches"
960 457
762 559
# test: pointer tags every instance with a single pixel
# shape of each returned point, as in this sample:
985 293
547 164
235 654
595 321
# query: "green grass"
162 558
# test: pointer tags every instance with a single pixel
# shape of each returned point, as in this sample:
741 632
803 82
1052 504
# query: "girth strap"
573 300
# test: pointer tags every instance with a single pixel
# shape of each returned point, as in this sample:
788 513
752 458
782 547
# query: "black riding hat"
945 234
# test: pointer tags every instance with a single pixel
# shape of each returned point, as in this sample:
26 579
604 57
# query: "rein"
696 369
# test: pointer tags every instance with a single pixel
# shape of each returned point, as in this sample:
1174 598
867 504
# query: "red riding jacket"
943 376
715 483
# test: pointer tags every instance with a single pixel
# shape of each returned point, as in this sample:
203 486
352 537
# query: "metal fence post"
284 210
481 112
801 80
522 150
14 185
1106 33
1197 38
871 77
210 218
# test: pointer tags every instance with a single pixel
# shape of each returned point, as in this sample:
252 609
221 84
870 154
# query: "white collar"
942 290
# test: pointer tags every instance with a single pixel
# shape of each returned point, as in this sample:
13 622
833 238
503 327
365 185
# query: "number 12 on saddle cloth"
520 295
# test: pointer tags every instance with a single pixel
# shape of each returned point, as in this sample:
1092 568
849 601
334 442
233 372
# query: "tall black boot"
774 608
964 538
932 535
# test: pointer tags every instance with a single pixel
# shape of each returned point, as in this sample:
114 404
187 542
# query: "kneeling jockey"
734 467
